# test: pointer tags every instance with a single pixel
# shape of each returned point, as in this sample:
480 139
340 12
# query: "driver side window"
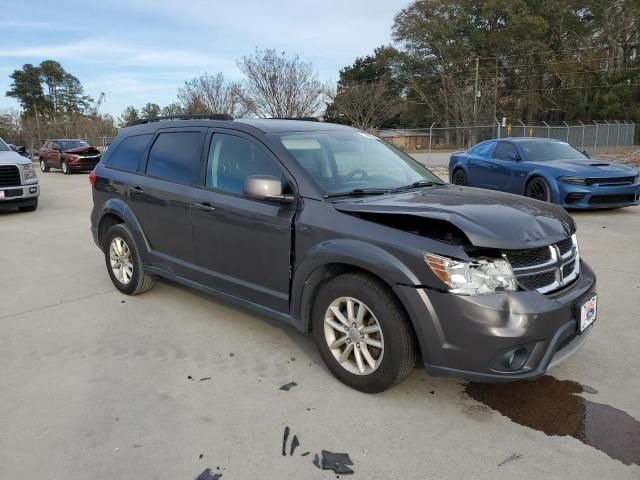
232 159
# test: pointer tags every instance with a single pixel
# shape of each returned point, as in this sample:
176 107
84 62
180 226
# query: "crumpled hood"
12 158
87 150
488 218
588 168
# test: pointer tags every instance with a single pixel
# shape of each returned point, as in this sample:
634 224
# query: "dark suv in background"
338 233
68 155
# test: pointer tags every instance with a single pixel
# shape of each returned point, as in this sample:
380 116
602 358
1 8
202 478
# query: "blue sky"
143 50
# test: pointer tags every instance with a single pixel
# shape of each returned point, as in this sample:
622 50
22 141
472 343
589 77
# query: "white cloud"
109 51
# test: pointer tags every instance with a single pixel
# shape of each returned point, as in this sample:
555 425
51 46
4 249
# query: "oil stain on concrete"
555 407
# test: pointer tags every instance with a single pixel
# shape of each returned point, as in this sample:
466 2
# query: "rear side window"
483 150
175 156
505 151
127 155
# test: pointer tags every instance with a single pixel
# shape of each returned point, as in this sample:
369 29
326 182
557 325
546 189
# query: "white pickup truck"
18 181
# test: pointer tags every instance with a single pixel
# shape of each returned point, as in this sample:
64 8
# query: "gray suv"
336 232
18 181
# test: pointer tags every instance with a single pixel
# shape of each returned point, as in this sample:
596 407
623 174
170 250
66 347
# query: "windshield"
69 144
545 151
340 161
3 146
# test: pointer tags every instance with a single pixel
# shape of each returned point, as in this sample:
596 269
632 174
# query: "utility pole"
476 92
35 108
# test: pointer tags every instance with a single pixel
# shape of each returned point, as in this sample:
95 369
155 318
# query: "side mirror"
586 154
516 157
265 187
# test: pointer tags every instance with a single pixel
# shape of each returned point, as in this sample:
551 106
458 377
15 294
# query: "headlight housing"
29 172
478 277
573 180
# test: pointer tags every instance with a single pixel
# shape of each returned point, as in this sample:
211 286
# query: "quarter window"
175 156
232 159
483 150
128 154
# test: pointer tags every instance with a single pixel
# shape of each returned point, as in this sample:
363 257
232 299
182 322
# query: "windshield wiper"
419 183
356 192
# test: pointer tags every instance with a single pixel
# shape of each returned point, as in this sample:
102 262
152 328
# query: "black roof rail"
305 119
192 116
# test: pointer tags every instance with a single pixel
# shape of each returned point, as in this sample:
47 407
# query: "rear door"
478 162
242 246
54 154
161 198
501 167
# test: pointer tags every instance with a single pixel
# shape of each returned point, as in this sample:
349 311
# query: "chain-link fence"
582 135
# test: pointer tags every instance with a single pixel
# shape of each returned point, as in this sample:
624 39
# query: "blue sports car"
546 169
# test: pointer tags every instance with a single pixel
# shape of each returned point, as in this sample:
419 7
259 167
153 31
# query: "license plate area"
587 313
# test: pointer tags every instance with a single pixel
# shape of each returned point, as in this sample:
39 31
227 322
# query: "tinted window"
232 159
69 144
541 151
175 156
128 154
505 151
3 146
483 150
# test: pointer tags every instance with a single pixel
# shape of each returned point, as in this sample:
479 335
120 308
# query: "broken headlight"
477 277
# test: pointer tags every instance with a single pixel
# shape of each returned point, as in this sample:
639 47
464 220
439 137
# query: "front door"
242 246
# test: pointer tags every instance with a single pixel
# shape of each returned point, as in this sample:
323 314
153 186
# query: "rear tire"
30 208
64 166
124 263
382 337
459 177
43 166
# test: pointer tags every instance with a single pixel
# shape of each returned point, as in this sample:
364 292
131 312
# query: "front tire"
124 263
538 189
363 334
43 166
64 166
30 208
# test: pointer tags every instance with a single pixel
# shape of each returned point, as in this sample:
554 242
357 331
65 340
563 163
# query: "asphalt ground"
98 385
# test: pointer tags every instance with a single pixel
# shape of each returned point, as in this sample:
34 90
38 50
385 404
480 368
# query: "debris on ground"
337 462
511 458
284 441
304 454
207 475
316 461
205 378
288 386
294 443
201 455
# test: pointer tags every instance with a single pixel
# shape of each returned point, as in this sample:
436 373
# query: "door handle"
204 206
136 190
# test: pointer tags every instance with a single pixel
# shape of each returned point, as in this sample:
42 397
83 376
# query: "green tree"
150 110
27 89
172 109
130 115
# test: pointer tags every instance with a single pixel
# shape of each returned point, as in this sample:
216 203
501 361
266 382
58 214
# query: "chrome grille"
9 176
546 269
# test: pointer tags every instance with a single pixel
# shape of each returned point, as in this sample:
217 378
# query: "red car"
68 155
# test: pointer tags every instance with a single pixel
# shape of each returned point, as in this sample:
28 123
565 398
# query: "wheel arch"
116 211
331 259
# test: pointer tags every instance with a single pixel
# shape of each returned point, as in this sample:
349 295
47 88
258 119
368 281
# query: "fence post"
548 129
498 127
608 132
582 147
31 151
618 135
596 142
567 125
430 137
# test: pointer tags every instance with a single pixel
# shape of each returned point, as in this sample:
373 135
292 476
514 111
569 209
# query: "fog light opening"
33 189
515 359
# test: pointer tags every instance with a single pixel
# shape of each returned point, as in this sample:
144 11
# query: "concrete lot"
95 385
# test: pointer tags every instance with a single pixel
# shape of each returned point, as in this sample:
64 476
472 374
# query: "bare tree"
212 94
367 105
281 87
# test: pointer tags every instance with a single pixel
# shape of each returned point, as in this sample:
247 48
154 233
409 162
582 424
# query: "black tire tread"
142 281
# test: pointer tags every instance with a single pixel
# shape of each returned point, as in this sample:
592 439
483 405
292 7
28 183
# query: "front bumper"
592 197
466 336
17 196
83 163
